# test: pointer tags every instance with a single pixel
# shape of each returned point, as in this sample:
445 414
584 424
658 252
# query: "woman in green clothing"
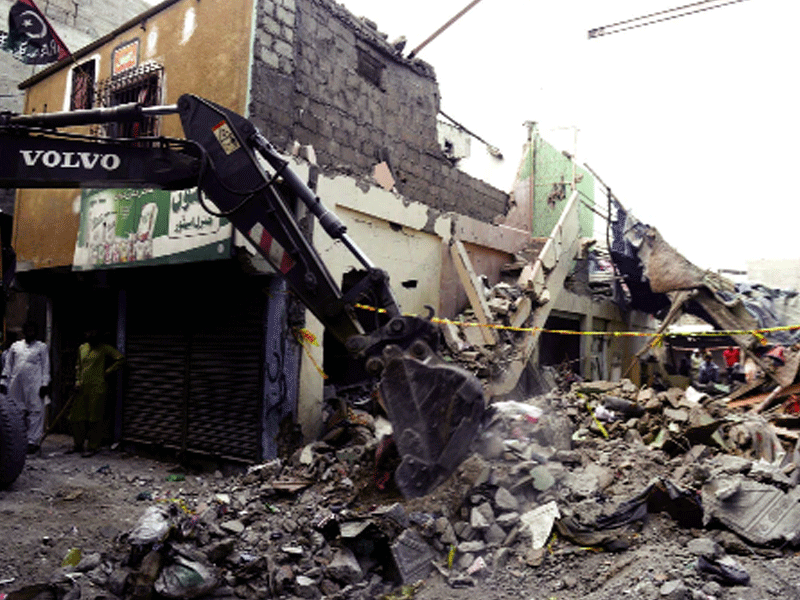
96 361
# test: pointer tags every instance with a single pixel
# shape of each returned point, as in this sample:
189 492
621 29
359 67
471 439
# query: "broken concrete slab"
344 567
452 337
478 521
540 522
412 556
505 500
759 513
542 479
471 284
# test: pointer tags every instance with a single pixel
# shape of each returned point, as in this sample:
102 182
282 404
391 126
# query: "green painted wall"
552 177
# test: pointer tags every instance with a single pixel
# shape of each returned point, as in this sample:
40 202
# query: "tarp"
652 268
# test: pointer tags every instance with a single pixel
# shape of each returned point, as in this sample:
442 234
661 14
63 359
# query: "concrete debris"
344 567
413 556
540 523
759 513
557 476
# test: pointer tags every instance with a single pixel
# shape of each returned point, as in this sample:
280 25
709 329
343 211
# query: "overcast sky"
693 122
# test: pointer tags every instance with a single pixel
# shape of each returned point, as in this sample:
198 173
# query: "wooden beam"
474 290
567 241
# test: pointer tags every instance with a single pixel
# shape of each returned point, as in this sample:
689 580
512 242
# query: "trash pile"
561 472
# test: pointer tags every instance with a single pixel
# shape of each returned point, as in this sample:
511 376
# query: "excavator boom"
435 408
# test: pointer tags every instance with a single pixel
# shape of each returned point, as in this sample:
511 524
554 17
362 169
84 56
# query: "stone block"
412 556
344 567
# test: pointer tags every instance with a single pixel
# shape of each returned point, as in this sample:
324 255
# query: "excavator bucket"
436 411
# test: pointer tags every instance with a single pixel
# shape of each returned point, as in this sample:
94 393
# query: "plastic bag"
185 579
153 526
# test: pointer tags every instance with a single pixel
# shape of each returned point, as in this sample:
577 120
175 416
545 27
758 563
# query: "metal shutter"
194 380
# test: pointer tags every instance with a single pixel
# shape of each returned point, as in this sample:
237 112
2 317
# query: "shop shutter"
194 380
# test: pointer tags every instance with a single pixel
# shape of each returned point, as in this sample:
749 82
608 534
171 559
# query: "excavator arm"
435 408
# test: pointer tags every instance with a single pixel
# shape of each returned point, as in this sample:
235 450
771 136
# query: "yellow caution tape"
758 333
597 422
303 341
307 336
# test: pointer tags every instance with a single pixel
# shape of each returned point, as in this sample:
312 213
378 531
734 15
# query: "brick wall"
84 21
307 86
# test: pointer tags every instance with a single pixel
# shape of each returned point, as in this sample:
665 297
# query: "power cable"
660 16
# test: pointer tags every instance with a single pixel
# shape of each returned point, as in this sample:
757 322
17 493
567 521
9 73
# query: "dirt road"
63 501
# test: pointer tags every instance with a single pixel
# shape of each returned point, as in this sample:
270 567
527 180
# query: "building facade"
208 327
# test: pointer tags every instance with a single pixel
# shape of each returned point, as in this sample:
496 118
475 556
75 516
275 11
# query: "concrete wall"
542 186
307 87
410 240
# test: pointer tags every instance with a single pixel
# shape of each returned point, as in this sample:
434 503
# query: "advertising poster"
139 227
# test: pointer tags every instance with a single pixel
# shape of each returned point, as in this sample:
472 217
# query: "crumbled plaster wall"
306 87
409 240
542 187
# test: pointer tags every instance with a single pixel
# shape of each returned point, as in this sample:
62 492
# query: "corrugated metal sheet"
197 391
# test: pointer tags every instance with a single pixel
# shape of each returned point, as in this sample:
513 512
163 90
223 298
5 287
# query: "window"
141 85
369 67
82 86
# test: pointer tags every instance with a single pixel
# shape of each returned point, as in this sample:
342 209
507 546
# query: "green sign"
137 227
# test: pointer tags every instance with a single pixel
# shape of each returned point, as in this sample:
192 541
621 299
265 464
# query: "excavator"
435 408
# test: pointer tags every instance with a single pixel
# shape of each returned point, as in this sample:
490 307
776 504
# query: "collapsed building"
589 460
197 312
760 320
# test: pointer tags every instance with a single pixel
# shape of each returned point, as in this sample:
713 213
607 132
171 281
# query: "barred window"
82 86
142 85
369 67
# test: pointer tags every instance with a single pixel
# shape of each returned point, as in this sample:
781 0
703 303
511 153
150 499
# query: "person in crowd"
709 371
696 361
25 379
731 356
96 362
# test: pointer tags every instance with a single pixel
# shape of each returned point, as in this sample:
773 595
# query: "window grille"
83 86
369 67
142 85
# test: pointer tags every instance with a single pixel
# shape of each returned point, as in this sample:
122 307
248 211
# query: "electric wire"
635 24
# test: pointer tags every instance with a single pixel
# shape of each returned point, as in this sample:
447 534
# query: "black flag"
30 37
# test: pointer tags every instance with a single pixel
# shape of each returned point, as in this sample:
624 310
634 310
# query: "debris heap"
550 477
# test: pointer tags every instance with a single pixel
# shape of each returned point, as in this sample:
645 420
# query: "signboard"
136 227
125 57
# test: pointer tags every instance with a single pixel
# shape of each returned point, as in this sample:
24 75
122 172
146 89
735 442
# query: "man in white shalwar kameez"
26 380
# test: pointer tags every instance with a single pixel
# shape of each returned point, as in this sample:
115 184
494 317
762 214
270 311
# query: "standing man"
26 380
96 361
696 361
731 356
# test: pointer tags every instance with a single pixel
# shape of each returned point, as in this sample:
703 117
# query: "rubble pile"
550 478
508 310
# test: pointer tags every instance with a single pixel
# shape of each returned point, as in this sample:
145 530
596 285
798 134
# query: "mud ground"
63 501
